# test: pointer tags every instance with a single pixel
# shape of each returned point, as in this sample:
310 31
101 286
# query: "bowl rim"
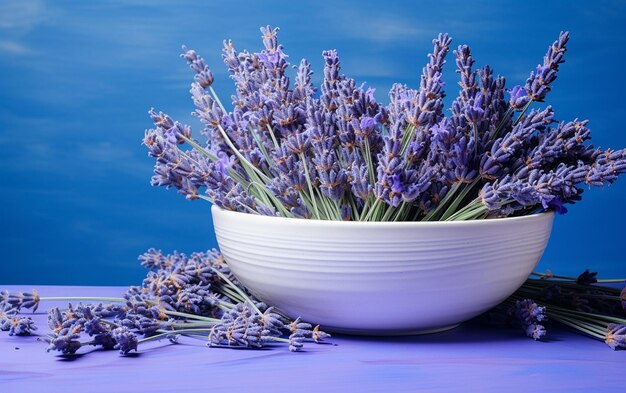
383 224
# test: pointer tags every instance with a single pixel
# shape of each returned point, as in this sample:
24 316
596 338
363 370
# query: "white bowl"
381 277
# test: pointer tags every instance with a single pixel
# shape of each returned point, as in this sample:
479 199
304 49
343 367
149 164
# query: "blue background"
77 79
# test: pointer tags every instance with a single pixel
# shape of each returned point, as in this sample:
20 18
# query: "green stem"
231 294
308 182
433 213
467 188
237 289
269 129
217 99
189 316
241 157
372 209
406 139
571 323
164 333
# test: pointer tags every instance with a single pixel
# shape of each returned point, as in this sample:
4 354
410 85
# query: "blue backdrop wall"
77 80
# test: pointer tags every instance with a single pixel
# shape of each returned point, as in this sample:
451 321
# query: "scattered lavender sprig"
341 155
192 295
597 311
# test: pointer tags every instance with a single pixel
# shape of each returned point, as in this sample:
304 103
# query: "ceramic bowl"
381 277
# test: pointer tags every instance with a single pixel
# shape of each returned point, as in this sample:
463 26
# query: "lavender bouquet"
338 154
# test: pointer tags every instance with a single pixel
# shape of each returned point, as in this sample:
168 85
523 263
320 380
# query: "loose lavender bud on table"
18 326
616 336
319 335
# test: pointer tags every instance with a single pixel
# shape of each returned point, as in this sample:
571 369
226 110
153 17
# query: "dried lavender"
529 315
616 336
579 303
283 150
125 340
14 324
192 295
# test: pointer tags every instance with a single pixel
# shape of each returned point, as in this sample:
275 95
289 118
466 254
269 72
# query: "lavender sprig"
182 295
576 302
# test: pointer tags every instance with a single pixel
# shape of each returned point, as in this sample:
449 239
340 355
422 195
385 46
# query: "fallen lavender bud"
318 335
616 336
17 326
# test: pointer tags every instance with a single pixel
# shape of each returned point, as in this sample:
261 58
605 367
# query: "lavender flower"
126 340
606 168
296 342
528 314
18 300
204 76
518 98
18 326
67 344
332 178
6 310
539 82
240 327
319 335
616 336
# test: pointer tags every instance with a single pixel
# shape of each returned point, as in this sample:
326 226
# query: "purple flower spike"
18 300
17 326
66 344
518 98
204 76
125 339
367 124
528 314
396 184
539 83
557 205
616 336
474 112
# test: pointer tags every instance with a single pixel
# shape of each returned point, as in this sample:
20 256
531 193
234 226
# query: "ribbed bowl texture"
379 278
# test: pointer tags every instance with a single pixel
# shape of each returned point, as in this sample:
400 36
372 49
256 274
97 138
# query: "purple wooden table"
473 357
